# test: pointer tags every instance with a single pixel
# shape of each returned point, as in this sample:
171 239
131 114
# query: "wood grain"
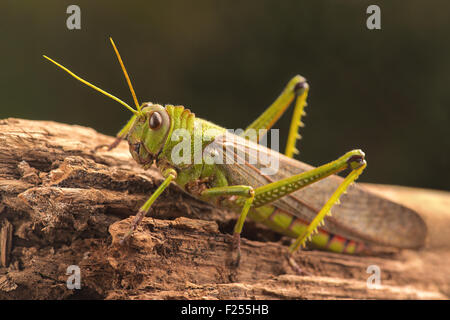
67 205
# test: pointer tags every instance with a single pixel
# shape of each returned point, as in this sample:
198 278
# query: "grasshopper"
296 200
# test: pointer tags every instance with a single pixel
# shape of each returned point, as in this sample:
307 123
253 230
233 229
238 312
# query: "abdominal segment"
291 226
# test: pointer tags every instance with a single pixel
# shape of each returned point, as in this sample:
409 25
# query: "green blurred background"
386 91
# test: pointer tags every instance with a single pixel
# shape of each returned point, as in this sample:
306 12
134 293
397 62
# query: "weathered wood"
66 203
6 232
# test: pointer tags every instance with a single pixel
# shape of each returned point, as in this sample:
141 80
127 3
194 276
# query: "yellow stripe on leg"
326 210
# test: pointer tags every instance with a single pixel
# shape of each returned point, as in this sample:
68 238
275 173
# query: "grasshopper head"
150 129
149 132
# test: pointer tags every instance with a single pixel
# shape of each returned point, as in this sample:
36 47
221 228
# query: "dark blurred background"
384 91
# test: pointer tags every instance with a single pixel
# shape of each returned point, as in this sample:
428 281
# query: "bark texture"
63 204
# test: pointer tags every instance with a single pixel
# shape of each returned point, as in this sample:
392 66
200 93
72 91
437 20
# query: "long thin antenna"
125 73
92 86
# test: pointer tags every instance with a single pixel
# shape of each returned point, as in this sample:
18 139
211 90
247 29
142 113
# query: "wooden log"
65 204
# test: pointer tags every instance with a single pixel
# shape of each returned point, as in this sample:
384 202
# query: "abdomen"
291 226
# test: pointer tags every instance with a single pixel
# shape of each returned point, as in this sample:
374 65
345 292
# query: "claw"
295 266
137 219
109 146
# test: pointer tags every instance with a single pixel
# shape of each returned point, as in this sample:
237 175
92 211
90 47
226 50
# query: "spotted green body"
220 176
295 200
369 216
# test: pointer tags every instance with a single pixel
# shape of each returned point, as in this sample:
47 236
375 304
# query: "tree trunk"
62 204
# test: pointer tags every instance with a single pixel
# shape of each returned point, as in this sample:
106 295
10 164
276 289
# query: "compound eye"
155 120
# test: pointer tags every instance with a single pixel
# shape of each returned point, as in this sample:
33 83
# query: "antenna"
136 112
125 73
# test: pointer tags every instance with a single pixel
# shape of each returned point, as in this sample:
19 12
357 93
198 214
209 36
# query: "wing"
362 215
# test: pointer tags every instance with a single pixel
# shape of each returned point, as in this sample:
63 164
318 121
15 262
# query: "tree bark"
63 204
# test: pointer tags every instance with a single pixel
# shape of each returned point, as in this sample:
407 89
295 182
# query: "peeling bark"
63 204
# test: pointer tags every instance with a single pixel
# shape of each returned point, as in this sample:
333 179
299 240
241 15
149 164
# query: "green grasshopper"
296 200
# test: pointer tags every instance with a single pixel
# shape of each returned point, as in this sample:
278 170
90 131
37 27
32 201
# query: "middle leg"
248 194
